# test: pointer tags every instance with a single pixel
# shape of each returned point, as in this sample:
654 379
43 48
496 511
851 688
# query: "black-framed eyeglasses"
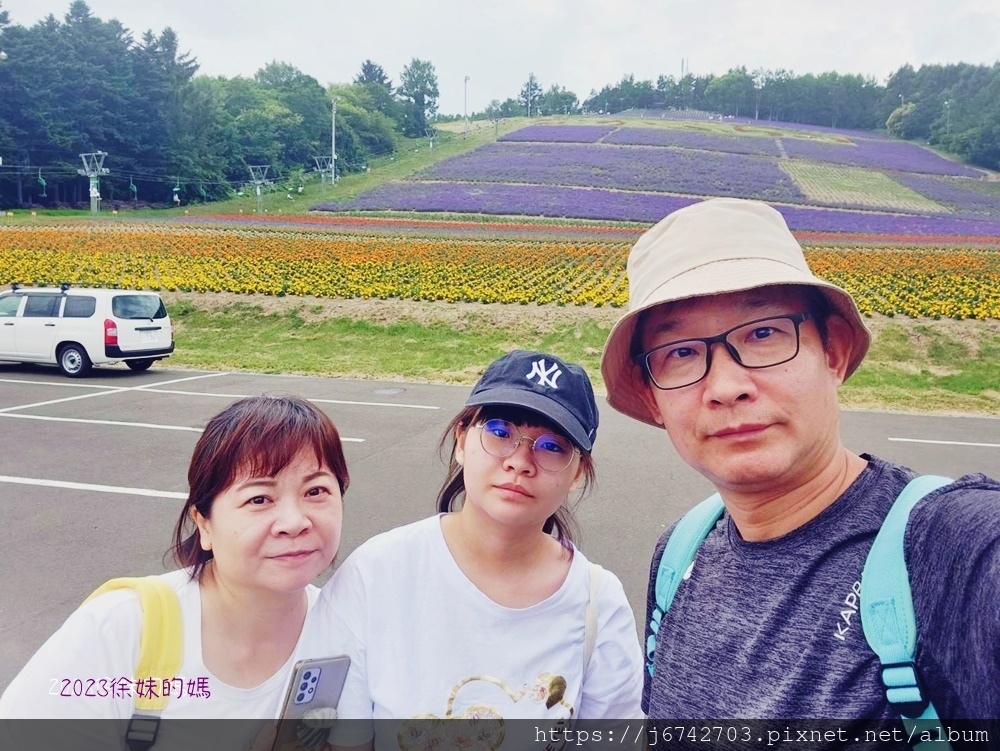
551 452
761 343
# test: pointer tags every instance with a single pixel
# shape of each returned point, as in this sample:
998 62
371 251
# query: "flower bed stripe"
621 167
560 133
593 203
954 282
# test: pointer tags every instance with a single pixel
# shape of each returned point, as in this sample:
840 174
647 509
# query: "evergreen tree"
418 86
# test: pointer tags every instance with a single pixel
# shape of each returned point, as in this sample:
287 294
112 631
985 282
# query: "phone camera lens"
303 687
306 674
300 697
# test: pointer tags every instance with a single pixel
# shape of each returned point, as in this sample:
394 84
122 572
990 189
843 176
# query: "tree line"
82 85
955 107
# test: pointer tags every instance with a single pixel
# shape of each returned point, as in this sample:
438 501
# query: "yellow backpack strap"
161 645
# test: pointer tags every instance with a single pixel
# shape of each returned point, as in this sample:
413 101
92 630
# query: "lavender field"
888 155
837 181
560 133
621 167
595 203
687 139
517 200
855 148
699 115
966 196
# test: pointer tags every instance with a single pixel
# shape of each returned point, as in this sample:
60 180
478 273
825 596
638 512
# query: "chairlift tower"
323 165
258 174
93 167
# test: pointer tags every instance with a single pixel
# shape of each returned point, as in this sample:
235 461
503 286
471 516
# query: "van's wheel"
73 361
139 365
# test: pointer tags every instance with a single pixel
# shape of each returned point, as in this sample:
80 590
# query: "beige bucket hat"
712 247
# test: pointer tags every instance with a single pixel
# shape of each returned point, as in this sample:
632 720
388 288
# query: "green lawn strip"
912 367
243 337
855 185
920 366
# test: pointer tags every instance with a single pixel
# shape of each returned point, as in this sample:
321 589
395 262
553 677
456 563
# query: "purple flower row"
967 196
593 203
702 115
560 133
519 200
621 167
688 139
875 223
890 155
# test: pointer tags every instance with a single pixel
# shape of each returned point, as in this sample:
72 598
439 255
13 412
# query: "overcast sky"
579 44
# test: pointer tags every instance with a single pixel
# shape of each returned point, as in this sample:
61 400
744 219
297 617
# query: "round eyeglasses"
762 343
550 452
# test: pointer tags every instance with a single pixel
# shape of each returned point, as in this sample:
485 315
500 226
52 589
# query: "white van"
78 328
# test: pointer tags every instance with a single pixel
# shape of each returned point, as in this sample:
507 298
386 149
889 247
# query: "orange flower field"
957 282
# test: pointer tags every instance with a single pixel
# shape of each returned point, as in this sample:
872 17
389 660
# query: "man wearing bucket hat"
735 348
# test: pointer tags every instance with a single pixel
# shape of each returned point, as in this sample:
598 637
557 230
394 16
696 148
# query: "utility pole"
465 108
258 173
947 116
93 167
333 145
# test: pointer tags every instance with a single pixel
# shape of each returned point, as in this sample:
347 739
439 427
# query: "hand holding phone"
310 705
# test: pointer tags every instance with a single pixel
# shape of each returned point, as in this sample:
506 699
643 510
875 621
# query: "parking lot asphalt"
93 475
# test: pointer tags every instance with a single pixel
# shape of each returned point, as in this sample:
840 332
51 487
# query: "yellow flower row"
936 282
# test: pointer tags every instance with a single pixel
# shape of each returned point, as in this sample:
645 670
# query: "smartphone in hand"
311 702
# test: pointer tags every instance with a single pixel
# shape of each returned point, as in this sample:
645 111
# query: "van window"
137 306
9 305
79 306
42 306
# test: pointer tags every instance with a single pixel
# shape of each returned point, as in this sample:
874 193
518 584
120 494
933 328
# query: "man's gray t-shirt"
771 630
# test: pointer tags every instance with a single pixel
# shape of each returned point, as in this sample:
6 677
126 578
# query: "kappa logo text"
546 377
850 609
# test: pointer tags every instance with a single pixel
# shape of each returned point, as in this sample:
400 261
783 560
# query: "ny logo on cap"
546 377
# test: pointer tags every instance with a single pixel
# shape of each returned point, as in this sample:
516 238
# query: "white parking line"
67 383
154 426
946 443
88 486
64 399
109 390
155 390
103 422
179 380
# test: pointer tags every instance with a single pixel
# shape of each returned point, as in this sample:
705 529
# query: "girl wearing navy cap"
488 610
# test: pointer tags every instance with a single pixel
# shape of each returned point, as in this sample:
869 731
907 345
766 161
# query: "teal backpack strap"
888 620
679 552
